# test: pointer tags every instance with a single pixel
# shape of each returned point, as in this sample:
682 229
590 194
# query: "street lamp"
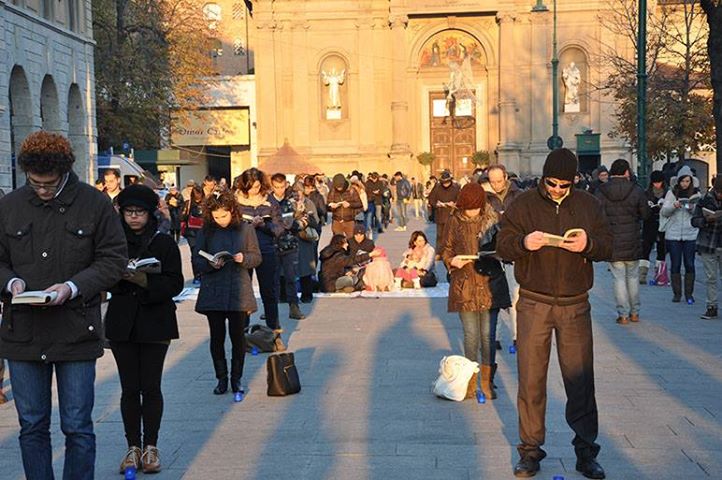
642 167
555 141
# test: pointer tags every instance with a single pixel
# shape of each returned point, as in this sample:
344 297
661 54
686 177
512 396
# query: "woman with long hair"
417 265
251 190
477 286
140 324
226 293
680 236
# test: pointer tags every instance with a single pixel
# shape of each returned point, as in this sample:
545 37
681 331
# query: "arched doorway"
49 106
76 131
452 66
21 116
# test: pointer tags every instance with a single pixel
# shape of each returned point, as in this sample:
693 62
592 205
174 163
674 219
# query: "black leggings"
140 367
650 236
237 322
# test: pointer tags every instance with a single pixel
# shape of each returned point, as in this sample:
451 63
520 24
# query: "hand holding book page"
573 240
145 265
711 215
34 298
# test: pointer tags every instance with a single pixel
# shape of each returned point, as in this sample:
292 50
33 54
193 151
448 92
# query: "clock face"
212 12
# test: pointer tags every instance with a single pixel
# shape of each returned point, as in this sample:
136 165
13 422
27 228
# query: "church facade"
372 84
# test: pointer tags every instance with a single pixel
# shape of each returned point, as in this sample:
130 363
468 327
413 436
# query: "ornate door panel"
453 139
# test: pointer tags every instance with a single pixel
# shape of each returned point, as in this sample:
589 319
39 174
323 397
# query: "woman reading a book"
226 293
141 322
680 235
252 189
478 287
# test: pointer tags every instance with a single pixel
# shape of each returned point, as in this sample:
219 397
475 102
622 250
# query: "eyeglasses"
563 186
49 187
134 212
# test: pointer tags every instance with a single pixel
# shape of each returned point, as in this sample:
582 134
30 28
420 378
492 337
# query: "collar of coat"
65 196
487 218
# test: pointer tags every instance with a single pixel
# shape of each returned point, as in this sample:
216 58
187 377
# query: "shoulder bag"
282 375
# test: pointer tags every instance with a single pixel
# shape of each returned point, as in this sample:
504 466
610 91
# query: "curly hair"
46 153
221 200
244 182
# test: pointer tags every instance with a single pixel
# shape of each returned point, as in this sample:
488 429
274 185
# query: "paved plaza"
366 410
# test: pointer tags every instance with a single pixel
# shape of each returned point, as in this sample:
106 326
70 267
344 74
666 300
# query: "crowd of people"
524 249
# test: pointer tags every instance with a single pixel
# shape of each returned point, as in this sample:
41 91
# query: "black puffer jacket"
625 205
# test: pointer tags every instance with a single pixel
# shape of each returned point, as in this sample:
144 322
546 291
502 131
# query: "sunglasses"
563 186
132 212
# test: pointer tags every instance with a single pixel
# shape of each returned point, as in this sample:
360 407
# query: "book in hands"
558 240
716 214
144 265
225 256
37 297
251 218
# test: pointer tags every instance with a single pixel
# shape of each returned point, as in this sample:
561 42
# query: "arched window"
212 14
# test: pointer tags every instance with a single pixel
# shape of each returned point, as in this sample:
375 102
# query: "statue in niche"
333 81
572 77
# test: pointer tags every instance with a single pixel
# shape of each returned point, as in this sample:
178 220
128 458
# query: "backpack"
261 337
404 189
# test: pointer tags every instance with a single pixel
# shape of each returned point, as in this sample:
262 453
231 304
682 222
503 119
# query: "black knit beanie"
560 163
138 195
657 176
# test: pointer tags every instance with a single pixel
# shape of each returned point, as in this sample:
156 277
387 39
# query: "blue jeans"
681 249
480 334
31 382
401 217
626 286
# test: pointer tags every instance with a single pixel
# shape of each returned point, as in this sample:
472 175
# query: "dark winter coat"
147 314
320 205
346 214
442 194
625 205
176 213
709 238
551 271
74 237
229 288
470 291
367 245
374 190
272 226
306 249
334 265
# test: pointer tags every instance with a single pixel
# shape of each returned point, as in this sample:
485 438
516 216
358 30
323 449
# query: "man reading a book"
708 218
554 281
64 241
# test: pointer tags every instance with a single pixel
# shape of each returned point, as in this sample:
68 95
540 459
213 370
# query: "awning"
163 158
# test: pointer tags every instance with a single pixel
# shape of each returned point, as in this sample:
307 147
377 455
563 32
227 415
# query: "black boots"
676 287
711 312
236 374
306 289
294 312
222 375
689 287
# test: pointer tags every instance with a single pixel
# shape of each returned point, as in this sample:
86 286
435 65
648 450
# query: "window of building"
238 47
46 9
216 48
72 15
212 13
239 11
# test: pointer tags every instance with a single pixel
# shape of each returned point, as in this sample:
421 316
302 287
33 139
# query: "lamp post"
555 141
642 167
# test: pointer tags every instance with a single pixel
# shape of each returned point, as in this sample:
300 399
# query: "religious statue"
333 81
572 78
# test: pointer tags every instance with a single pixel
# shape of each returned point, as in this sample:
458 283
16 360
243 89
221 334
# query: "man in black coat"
625 204
554 301
61 237
708 218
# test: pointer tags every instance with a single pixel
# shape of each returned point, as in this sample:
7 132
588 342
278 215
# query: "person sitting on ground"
378 275
360 242
417 266
339 269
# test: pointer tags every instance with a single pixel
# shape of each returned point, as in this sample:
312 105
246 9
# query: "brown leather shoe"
622 320
634 317
151 460
3 398
131 459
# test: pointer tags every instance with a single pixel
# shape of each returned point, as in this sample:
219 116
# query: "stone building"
366 84
47 79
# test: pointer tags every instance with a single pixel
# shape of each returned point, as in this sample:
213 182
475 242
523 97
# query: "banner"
217 127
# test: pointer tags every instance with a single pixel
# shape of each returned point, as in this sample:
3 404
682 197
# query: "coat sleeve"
110 258
168 283
447 245
668 209
274 225
429 258
6 270
698 219
510 240
200 264
251 250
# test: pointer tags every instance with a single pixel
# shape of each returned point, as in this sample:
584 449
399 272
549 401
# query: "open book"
249 218
485 253
557 240
34 298
145 265
716 214
224 255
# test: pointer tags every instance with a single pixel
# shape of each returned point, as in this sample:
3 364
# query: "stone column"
541 87
399 102
508 148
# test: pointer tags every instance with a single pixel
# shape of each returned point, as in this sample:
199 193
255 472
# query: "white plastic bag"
455 372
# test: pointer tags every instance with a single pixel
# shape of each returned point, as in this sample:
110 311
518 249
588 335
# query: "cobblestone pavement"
366 410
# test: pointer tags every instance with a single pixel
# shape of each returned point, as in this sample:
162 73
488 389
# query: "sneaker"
131 459
711 313
622 320
150 459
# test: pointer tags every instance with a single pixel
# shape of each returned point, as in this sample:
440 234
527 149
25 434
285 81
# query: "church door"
453 138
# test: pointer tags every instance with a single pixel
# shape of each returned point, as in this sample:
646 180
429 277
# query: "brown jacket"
468 291
74 237
347 214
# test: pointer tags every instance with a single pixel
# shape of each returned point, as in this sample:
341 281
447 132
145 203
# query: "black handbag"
261 337
282 375
487 265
